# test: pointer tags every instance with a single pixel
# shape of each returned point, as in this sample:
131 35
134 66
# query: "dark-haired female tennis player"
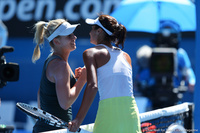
109 71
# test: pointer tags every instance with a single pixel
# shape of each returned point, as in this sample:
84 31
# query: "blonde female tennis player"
109 71
58 86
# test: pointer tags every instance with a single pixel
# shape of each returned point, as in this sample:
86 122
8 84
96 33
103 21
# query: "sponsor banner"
20 15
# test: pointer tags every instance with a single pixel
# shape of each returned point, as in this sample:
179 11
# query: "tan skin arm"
38 98
90 90
58 71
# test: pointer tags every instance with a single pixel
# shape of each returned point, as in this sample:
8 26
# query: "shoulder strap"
108 48
50 58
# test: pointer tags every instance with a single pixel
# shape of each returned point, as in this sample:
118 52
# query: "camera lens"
9 72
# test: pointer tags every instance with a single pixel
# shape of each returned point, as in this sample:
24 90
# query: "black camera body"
8 71
163 68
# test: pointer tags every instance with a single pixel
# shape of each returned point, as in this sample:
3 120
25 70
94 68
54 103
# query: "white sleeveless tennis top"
115 77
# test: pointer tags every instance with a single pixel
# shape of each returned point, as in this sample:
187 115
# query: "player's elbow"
65 106
92 86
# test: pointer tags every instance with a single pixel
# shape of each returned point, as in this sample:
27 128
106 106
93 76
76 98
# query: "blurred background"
18 17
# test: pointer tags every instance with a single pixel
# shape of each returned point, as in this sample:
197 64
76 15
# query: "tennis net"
177 118
174 119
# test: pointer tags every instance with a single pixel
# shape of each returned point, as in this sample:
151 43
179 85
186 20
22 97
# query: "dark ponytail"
119 31
120 35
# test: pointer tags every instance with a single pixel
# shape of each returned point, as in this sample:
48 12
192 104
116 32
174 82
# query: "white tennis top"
115 77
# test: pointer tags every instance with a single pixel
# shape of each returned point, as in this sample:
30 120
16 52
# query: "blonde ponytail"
39 39
36 53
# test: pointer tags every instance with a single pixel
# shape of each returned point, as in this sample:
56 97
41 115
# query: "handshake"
80 72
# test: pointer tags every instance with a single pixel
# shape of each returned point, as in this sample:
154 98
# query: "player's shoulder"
94 50
126 54
127 57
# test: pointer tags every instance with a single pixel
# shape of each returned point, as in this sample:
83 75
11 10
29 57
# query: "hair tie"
117 24
45 25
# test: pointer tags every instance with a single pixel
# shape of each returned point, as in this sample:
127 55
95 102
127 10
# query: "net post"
189 122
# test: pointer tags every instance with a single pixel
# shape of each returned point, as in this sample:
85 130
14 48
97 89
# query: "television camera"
9 71
163 68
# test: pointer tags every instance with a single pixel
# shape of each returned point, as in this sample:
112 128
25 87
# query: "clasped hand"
80 71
